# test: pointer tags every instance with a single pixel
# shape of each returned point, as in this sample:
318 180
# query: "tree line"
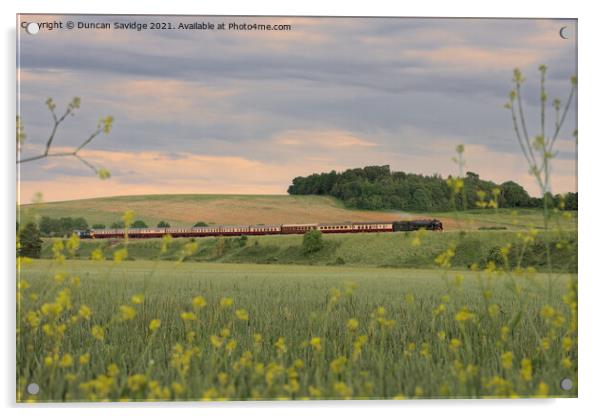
377 187
65 226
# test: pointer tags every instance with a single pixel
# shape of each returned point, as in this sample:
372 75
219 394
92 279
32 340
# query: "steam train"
238 230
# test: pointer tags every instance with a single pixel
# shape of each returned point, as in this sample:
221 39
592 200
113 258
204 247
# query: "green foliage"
51 227
200 224
377 188
242 240
117 224
98 226
358 250
139 224
163 224
312 241
30 243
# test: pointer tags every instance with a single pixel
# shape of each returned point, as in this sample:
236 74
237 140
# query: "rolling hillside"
185 210
216 209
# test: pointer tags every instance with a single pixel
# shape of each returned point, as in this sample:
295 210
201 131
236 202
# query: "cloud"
332 93
329 139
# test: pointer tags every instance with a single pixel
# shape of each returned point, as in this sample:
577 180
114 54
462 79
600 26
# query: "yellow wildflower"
112 370
66 361
73 243
177 388
226 302
343 390
98 332
242 314
280 345
464 315
315 343
314 392
188 316
542 389
137 299
526 369
136 382
85 312
547 311
504 333
507 358
120 255
127 312
216 341
352 324
455 344
199 302
97 254
493 310
231 345
32 319
210 394
338 365
154 325
222 378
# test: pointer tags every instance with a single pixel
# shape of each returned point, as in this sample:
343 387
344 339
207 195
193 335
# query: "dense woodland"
377 187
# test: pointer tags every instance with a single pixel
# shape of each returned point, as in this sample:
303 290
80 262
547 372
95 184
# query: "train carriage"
297 228
372 227
233 230
262 229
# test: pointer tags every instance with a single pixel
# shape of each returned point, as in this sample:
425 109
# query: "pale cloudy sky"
245 112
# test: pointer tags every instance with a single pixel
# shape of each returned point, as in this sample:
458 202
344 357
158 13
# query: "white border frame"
589 216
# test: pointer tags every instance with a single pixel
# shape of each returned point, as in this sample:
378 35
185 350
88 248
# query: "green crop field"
186 210
156 330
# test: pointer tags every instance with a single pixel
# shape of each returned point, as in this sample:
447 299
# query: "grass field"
401 250
102 330
186 210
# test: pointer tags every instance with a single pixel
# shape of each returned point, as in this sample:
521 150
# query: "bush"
30 241
242 240
495 256
312 241
163 224
51 227
200 224
139 224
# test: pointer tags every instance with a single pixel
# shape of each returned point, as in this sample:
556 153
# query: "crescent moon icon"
561 32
